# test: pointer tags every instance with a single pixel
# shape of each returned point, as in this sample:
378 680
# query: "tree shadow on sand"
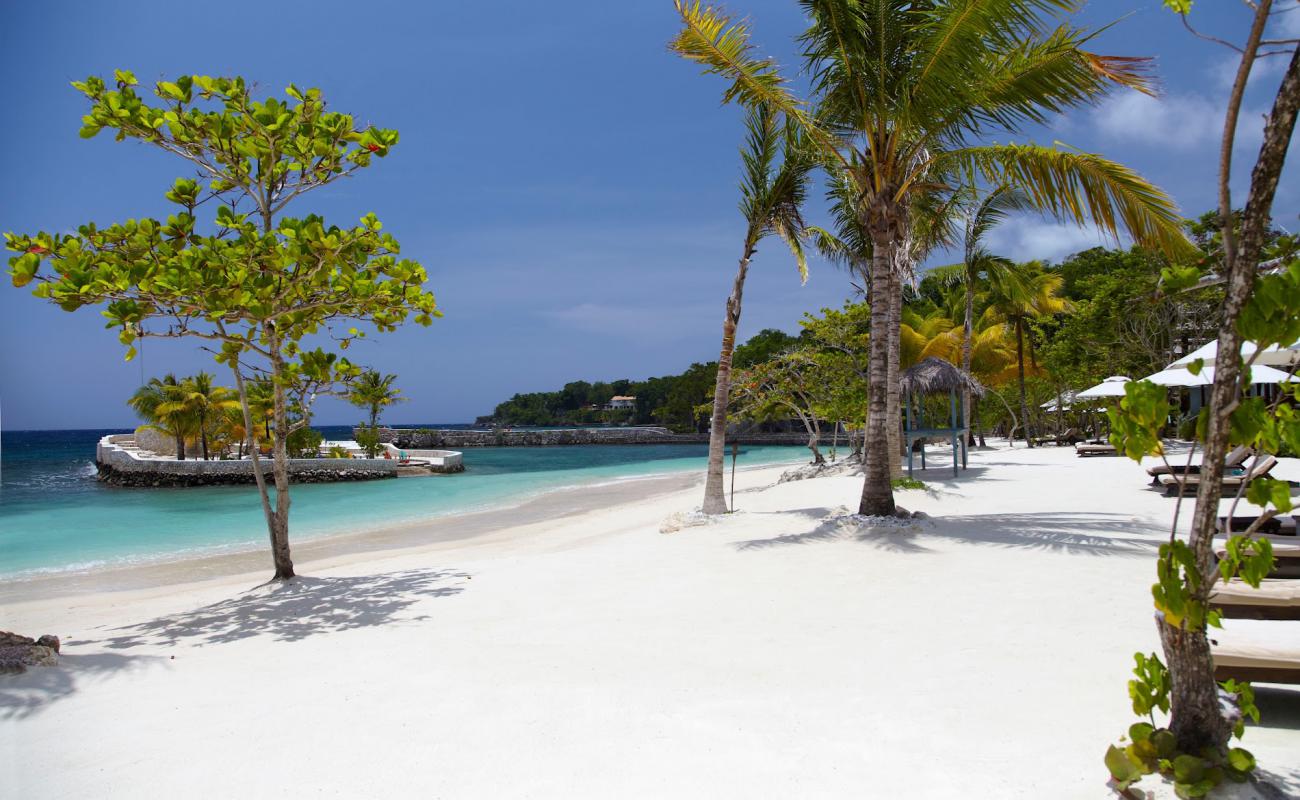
1074 533
295 610
285 611
22 696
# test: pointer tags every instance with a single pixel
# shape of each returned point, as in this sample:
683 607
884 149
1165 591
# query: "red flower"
38 249
372 147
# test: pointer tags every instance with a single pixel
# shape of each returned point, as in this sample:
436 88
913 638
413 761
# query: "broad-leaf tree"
259 287
905 98
1262 309
772 195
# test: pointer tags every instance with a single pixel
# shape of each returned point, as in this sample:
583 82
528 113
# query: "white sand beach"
782 652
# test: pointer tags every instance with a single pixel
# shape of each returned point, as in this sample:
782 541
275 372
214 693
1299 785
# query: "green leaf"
24 268
1189 768
1140 731
1241 760
1121 767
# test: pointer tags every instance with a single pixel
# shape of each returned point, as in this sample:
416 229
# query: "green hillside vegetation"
671 400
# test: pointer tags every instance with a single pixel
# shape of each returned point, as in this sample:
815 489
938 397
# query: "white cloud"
1224 71
1286 20
1027 238
1182 122
1176 122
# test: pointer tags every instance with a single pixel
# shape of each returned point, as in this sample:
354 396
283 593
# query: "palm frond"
722 47
1081 188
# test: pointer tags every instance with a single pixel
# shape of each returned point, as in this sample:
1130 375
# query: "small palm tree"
161 403
1017 296
977 261
374 392
261 406
771 199
209 404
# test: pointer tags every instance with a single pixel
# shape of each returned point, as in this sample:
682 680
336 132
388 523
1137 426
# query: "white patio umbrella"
1272 355
1111 387
1182 377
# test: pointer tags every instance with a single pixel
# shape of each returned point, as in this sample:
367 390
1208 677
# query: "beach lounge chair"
1257 650
1069 436
1094 449
1279 525
1233 460
1276 598
1286 555
1175 483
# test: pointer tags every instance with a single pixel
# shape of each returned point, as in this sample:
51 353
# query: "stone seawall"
116 477
119 464
408 438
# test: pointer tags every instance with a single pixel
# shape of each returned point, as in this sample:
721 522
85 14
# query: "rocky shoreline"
154 479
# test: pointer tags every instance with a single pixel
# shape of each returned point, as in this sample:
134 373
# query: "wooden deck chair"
1175 483
1267 651
1233 460
1276 598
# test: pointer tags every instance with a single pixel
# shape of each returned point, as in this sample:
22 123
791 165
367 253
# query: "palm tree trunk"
1196 719
968 330
180 446
877 491
203 435
372 450
715 501
1020 363
895 394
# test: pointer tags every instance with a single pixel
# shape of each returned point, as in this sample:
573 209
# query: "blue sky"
569 184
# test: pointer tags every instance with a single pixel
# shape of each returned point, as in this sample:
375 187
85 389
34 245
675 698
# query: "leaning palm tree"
1016 297
161 403
374 392
771 198
904 96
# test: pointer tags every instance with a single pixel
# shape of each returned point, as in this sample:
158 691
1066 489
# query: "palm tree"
1016 297
771 197
208 402
261 406
161 404
375 392
904 96
987 213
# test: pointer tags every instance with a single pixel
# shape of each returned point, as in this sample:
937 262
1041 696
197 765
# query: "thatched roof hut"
934 375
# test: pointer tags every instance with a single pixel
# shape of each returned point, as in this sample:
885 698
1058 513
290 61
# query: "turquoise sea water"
55 516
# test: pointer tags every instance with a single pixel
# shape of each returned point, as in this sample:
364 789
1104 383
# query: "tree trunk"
180 447
715 501
1020 361
1195 717
813 429
259 477
203 435
280 468
967 331
877 491
895 394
